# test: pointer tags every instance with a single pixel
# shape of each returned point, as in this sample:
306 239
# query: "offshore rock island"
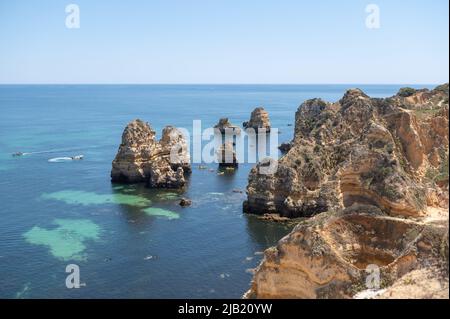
141 158
373 173
259 119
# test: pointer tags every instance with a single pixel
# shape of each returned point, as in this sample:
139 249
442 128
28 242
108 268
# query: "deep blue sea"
129 241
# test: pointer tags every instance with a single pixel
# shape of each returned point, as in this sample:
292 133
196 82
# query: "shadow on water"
227 175
266 233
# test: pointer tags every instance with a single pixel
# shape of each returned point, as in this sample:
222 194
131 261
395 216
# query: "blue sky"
224 41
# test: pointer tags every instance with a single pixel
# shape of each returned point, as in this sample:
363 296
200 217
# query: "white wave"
60 159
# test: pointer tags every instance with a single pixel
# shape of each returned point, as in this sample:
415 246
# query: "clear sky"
224 41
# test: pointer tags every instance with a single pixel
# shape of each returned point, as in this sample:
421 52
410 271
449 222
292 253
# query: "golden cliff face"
327 255
141 158
259 119
375 172
387 152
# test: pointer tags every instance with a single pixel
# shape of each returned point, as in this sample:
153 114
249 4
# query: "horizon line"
348 83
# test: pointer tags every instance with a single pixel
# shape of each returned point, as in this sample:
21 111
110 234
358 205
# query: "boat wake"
60 159
66 159
65 150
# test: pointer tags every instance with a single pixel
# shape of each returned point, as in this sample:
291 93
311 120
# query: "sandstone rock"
423 98
374 174
226 156
175 146
184 202
426 283
141 158
259 119
328 256
162 175
376 151
274 218
224 126
131 164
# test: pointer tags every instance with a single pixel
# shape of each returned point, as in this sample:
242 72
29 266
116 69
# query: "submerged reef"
68 240
76 197
83 198
161 212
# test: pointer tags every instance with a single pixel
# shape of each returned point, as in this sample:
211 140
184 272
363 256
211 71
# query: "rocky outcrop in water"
184 202
174 146
226 156
141 158
259 119
225 126
373 173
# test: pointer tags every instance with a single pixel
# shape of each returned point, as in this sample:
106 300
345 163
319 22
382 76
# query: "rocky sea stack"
259 119
143 159
224 126
226 156
374 174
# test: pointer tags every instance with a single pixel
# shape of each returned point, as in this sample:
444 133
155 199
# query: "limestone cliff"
332 254
259 119
387 152
224 126
141 158
373 173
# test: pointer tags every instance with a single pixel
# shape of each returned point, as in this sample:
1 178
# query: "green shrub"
407 91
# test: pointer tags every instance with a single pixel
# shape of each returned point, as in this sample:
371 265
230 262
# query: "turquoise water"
129 241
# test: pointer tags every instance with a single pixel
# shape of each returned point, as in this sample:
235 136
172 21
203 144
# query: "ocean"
130 241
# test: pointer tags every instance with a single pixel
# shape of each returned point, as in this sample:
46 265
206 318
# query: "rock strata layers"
141 158
332 254
259 119
386 152
373 174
